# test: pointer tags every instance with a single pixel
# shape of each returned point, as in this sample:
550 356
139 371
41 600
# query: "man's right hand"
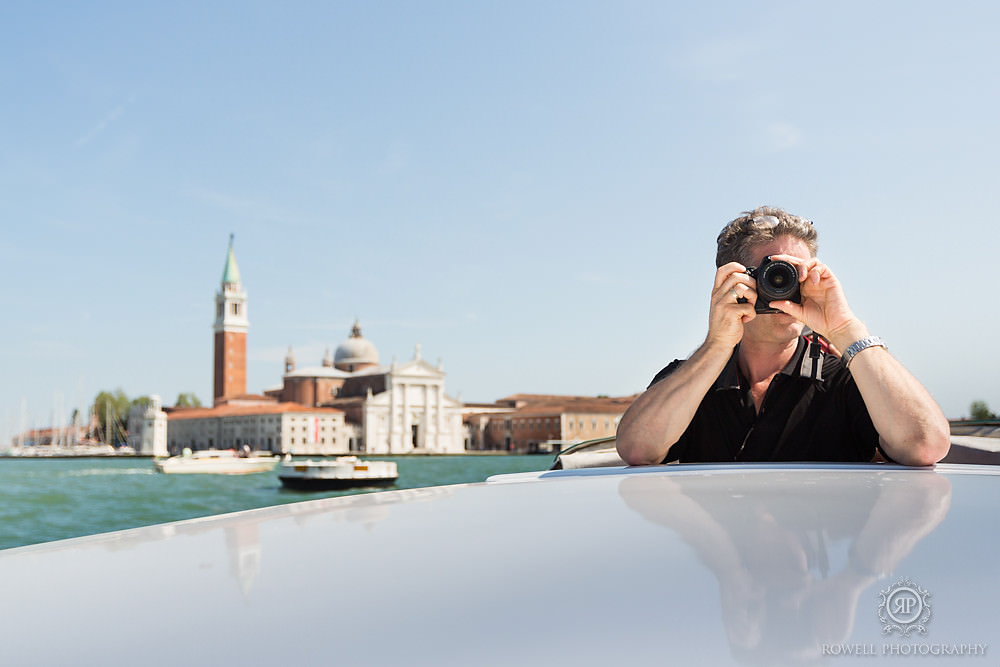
727 315
658 417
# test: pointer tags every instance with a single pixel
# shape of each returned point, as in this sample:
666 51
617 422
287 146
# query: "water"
43 500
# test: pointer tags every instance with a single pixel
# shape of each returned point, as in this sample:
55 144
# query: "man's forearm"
659 416
912 428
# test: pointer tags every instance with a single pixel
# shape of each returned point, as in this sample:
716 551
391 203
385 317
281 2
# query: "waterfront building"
283 428
349 403
54 436
542 422
399 408
147 428
404 408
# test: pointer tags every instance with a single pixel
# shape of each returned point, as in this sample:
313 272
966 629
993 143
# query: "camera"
777 280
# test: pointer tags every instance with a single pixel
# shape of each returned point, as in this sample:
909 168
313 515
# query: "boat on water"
342 472
218 461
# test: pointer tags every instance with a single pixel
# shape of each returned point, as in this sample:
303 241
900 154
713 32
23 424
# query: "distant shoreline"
102 457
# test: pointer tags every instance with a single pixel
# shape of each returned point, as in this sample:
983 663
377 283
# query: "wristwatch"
863 344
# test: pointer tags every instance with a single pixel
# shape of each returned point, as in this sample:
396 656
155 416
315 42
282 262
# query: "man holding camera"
758 390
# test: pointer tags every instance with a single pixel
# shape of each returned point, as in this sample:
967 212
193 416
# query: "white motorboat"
341 473
686 564
218 461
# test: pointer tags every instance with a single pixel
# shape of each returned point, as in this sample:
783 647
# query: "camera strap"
812 363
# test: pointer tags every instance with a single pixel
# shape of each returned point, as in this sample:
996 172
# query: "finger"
802 266
742 278
738 287
814 271
819 272
727 298
745 292
789 308
808 270
730 281
727 270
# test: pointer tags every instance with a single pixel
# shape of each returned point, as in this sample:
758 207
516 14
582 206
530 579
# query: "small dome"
355 353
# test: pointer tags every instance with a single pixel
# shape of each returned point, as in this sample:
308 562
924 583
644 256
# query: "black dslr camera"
777 280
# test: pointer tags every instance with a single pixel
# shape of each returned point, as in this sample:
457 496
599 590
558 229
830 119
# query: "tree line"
110 410
979 411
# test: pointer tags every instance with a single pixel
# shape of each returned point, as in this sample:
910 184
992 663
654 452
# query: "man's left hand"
824 306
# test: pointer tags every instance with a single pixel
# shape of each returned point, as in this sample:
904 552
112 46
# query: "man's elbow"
633 458
926 448
634 451
935 448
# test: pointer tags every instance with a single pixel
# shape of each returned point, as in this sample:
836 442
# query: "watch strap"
863 344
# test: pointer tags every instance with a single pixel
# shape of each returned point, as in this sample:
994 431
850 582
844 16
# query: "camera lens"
778 280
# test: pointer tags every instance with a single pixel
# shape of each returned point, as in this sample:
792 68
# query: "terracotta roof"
246 411
576 407
558 405
347 402
245 399
535 399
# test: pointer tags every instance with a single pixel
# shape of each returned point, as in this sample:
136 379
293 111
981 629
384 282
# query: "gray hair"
763 224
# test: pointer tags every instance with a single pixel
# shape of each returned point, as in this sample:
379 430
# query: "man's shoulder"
666 371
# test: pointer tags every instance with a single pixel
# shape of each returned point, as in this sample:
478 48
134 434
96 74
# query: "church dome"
355 353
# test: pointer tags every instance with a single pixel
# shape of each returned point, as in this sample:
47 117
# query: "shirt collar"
731 376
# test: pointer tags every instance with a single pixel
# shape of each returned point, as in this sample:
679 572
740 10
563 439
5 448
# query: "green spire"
231 274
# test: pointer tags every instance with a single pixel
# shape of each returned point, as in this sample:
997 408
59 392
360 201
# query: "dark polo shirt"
801 419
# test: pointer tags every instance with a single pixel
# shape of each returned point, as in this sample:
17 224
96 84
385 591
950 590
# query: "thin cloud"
109 119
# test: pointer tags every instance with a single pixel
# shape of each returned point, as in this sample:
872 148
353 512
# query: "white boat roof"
711 564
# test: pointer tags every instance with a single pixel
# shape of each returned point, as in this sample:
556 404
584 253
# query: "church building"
398 408
347 404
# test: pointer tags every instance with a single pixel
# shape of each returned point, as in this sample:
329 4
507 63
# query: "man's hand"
658 417
824 306
727 314
912 429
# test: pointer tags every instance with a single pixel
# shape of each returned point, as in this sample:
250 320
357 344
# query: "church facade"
400 408
413 413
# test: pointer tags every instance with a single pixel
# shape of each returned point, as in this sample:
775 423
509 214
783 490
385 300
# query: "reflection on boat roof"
706 564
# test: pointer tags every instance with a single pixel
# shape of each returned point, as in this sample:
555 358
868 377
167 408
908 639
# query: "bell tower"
231 325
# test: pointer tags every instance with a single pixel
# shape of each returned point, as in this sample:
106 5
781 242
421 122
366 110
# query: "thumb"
790 308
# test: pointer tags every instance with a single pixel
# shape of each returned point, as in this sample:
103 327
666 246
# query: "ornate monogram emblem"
903 608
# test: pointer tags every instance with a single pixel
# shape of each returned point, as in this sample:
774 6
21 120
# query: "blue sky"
530 190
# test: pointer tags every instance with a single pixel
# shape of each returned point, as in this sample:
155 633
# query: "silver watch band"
863 344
